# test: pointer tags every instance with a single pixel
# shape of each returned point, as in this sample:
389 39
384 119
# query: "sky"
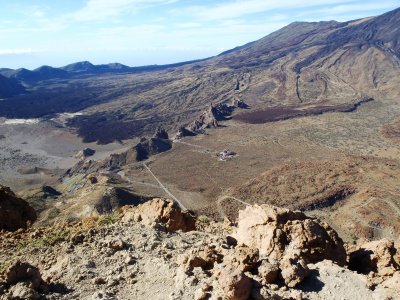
145 32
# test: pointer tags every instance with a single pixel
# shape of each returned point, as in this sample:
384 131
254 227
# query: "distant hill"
83 66
9 87
39 74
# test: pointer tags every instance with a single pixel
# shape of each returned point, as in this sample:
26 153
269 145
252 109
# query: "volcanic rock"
207 119
15 213
278 231
160 211
234 284
23 272
161 133
182 132
85 153
377 257
141 151
268 271
205 258
243 258
114 198
293 270
239 103
49 192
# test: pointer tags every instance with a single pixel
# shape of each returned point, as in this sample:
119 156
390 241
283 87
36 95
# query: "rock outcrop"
85 153
234 284
23 272
239 103
23 281
136 256
207 119
161 133
15 213
141 151
291 238
160 211
377 260
277 232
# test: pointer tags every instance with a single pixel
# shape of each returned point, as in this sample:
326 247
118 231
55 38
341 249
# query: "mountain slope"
9 87
307 67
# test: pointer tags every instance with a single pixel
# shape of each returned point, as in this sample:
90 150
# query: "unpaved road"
165 189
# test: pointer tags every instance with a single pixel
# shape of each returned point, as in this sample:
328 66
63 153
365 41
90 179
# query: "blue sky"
142 32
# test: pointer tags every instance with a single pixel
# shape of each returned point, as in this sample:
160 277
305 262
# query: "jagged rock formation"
208 119
161 133
291 238
378 259
85 153
161 211
137 255
239 103
141 151
15 213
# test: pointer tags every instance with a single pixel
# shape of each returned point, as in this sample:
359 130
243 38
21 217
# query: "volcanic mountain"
303 68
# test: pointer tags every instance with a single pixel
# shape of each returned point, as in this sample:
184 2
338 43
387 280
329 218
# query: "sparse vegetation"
109 219
202 222
52 238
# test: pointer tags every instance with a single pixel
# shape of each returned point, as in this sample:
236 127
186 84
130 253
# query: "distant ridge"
9 87
81 68
305 68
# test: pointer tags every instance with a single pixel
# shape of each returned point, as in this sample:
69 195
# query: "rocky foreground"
156 251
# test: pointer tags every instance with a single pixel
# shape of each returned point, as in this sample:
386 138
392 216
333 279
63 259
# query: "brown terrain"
305 119
286 102
156 251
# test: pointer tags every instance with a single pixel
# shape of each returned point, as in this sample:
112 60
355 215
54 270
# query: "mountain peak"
82 66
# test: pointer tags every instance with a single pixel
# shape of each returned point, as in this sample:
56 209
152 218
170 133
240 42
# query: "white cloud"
16 51
240 8
95 10
355 7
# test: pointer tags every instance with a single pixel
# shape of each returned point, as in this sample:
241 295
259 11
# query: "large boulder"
15 213
278 231
85 153
161 211
290 238
234 284
23 272
376 257
23 281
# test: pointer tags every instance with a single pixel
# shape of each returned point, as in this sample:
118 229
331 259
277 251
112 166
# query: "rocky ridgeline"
147 147
156 251
210 118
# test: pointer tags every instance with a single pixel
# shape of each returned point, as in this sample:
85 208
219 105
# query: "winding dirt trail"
123 175
204 150
165 189
356 216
